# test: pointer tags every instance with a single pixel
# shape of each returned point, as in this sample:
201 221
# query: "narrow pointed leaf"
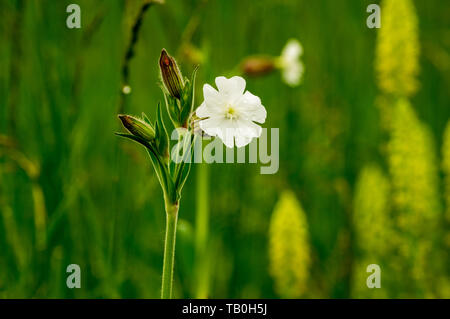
146 119
188 98
163 137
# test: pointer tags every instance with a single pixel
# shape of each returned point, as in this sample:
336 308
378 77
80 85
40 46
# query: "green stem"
202 232
169 249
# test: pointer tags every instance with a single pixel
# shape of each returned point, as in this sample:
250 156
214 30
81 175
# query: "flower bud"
257 66
171 75
137 127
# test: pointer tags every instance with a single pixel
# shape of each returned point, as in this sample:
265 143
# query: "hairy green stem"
169 249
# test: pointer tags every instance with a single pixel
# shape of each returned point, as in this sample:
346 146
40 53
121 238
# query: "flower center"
231 112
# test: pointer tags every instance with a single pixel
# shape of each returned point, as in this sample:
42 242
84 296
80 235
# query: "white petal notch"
231 113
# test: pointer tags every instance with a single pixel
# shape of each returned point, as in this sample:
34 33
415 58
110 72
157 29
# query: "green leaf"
157 167
188 98
184 167
163 174
162 138
183 176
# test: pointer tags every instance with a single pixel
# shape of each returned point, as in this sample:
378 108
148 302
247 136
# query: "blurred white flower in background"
230 113
289 62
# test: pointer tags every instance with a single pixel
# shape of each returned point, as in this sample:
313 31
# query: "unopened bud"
257 66
138 127
171 75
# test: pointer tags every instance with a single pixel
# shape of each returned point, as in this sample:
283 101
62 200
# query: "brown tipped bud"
257 66
138 127
171 75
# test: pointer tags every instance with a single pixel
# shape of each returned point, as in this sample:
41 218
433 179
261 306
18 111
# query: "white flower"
290 64
230 113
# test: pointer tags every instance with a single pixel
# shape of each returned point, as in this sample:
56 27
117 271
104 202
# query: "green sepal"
173 109
134 138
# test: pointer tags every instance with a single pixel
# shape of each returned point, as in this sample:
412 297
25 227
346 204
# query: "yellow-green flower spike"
373 229
371 210
446 168
416 202
397 51
289 250
413 168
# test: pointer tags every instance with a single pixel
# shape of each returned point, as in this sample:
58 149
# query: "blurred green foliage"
72 192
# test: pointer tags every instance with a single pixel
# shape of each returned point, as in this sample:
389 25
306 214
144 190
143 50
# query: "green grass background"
59 97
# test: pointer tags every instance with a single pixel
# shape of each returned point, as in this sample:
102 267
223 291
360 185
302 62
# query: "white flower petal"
250 106
228 135
202 111
212 98
242 131
290 64
232 88
242 140
212 126
213 103
250 99
292 73
206 110
292 50
248 128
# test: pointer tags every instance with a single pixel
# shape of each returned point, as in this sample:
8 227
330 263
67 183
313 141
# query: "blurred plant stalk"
202 260
33 171
134 28
202 272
